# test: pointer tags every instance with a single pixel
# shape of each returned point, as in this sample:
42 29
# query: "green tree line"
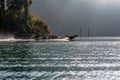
16 18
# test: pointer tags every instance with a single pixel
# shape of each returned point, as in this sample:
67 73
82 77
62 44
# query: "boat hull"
67 38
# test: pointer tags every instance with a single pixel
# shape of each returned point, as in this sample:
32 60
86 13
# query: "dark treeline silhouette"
16 18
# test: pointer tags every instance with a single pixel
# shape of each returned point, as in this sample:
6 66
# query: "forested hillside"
16 18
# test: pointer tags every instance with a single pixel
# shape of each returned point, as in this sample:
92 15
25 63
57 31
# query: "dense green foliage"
16 18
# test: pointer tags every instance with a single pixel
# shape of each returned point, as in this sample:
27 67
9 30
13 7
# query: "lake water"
82 59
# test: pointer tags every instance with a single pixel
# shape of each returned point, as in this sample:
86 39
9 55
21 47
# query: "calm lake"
82 59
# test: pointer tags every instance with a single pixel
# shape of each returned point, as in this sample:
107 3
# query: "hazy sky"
102 17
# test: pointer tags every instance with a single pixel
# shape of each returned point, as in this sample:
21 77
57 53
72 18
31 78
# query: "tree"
17 19
26 4
19 12
2 5
2 15
14 4
20 4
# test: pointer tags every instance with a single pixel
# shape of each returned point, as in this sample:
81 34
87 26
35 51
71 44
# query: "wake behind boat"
38 38
56 39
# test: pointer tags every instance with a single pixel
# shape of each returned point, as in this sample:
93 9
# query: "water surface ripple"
74 60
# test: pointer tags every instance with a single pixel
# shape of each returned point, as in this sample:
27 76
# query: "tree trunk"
26 9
